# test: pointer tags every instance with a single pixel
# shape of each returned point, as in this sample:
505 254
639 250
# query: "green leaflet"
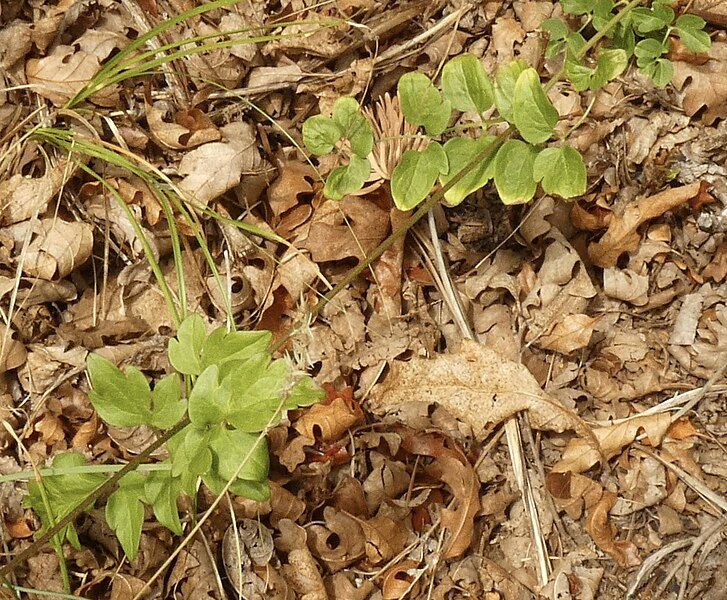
466 84
321 134
460 151
514 172
532 111
125 512
416 174
64 493
506 78
560 171
422 103
347 180
125 399
356 129
690 29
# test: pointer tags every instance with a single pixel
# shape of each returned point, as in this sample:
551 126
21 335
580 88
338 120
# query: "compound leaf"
466 84
186 350
416 174
514 172
610 65
561 171
162 492
533 113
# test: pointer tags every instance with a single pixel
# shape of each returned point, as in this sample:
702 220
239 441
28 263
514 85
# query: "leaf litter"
588 316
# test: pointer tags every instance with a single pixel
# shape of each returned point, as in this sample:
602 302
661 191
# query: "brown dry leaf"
328 422
12 352
704 85
465 486
476 385
60 75
340 542
624 552
579 456
189 129
352 227
626 285
212 169
58 246
622 235
385 538
572 333
301 570
573 492
293 186
23 197
717 268
341 585
398 579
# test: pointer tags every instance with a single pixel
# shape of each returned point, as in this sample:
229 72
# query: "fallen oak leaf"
624 552
465 486
622 235
579 456
479 387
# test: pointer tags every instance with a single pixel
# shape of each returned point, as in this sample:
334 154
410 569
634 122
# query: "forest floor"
612 305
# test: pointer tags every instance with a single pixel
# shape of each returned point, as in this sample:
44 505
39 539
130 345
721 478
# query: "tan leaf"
704 85
465 486
23 197
328 422
62 74
339 542
571 334
579 456
398 581
626 285
624 552
385 538
573 492
12 352
477 386
214 168
301 571
352 227
622 235
189 129
59 247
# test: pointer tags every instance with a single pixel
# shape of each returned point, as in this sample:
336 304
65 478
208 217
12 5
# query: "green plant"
642 32
516 167
239 391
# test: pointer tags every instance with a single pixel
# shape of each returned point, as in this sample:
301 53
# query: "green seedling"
643 32
239 391
519 99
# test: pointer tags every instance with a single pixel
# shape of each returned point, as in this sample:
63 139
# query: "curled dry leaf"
622 235
459 521
624 552
340 585
190 128
329 420
385 538
12 352
398 580
301 570
580 456
573 492
476 385
340 542
571 334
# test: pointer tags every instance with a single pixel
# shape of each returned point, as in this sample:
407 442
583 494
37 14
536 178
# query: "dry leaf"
571 334
465 486
398 580
626 285
212 169
573 492
624 552
579 456
328 422
26 197
57 246
189 129
62 74
622 235
301 570
704 85
477 386
385 538
338 543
